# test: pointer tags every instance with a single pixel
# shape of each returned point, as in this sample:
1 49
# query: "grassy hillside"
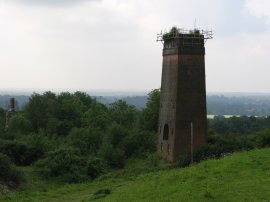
241 177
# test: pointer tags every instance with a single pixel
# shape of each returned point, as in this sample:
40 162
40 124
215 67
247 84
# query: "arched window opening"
166 132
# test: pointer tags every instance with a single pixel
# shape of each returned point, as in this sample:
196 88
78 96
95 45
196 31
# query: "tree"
122 113
19 124
95 167
86 140
114 157
115 134
97 116
138 142
85 100
68 114
64 163
40 109
148 119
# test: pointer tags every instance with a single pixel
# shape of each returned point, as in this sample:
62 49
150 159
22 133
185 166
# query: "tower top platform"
181 33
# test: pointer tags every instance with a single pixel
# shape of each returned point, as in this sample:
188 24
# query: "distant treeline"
249 105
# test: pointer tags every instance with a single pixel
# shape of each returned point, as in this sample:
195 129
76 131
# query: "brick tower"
10 112
182 117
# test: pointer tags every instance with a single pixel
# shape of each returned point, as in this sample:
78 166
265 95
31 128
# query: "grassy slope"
240 177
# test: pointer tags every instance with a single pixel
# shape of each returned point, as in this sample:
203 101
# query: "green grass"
241 177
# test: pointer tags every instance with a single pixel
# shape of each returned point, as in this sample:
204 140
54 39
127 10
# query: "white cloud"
240 65
259 9
111 43
50 2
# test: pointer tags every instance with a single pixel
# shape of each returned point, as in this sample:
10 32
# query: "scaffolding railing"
180 33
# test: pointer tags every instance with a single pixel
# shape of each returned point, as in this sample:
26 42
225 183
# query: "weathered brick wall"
183 99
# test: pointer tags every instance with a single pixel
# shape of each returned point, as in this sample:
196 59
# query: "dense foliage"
8 172
73 137
228 135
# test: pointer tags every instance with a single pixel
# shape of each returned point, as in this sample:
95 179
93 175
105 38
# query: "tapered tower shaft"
182 118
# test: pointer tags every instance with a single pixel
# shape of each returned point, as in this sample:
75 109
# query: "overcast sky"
111 44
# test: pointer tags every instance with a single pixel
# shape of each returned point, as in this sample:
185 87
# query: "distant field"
209 116
241 177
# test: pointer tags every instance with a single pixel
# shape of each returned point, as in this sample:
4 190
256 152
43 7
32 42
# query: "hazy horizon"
119 92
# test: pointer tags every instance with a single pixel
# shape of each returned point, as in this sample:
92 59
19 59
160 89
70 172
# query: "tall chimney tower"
11 105
11 110
182 117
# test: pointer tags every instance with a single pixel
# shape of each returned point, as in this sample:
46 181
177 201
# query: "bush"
184 161
8 172
115 134
114 157
263 138
64 163
39 142
20 153
218 146
154 159
86 140
19 124
95 167
170 35
139 142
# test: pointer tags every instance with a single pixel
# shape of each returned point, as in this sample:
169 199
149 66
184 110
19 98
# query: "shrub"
263 138
139 142
218 146
64 163
8 172
39 142
169 36
20 153
115 134
184 160
114 157
86 140
19 124
95 167
154 159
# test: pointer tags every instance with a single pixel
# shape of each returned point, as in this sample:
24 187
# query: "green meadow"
243 176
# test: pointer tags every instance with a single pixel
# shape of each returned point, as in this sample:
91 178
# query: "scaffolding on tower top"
180 33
